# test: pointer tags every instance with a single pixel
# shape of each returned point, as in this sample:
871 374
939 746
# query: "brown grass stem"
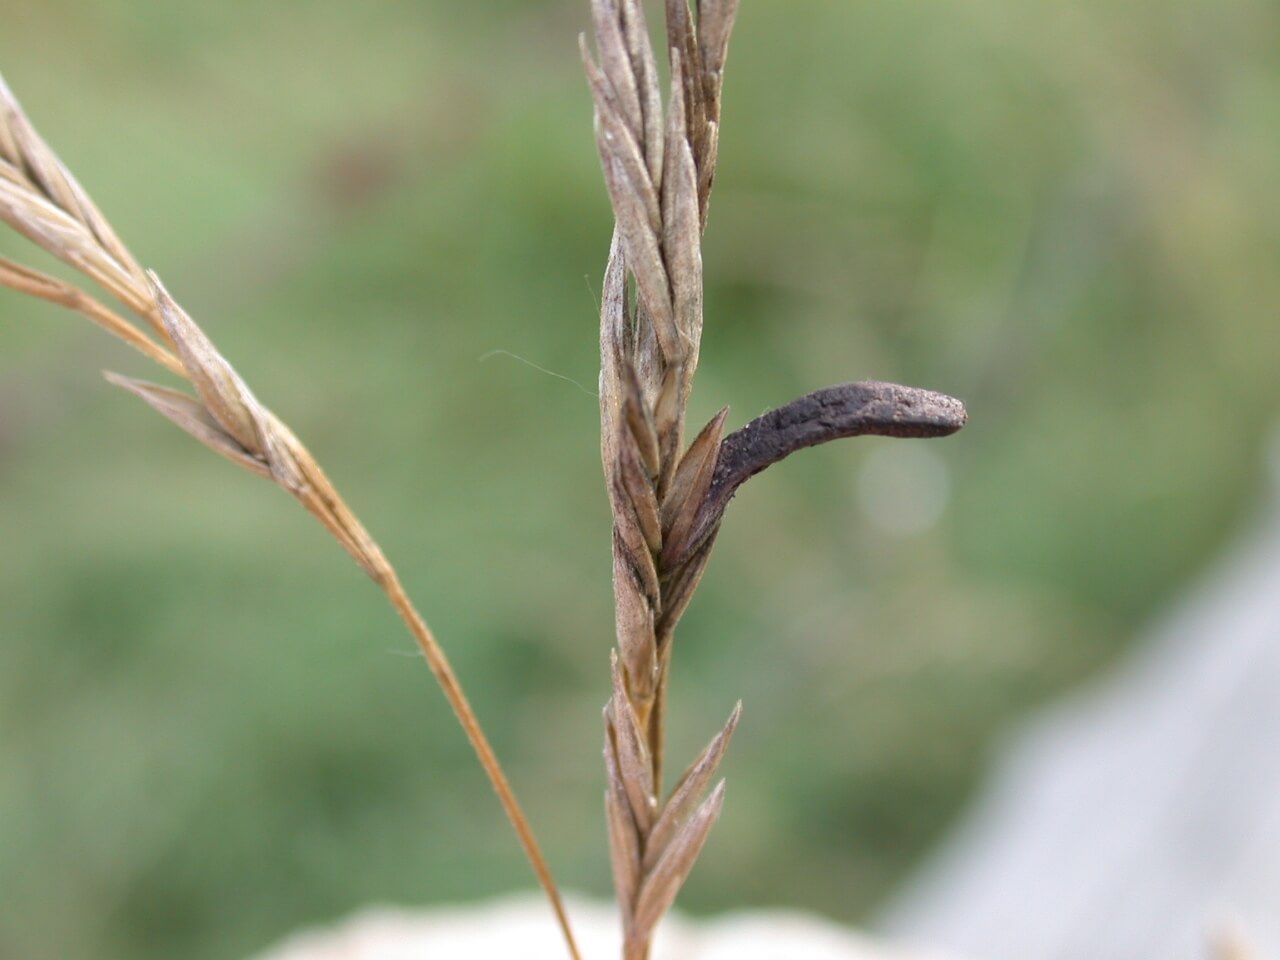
453 692
41 200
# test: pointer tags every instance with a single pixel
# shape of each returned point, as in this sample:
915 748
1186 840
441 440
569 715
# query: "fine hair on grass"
658 148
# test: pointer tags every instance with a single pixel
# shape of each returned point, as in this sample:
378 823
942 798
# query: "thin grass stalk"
453 692
42 201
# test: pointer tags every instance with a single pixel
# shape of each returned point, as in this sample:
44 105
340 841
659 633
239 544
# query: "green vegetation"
212 732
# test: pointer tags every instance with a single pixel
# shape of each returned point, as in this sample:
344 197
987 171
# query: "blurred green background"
212 728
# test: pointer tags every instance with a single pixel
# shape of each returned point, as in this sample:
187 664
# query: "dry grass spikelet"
668 499
658 170
41 200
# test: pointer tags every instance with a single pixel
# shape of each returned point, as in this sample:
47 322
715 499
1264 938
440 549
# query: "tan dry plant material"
668 499
42 201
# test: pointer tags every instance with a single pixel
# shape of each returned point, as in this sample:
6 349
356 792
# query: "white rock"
521 927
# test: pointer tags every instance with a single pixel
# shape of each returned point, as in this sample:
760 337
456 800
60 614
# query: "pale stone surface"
521 927
1140 818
